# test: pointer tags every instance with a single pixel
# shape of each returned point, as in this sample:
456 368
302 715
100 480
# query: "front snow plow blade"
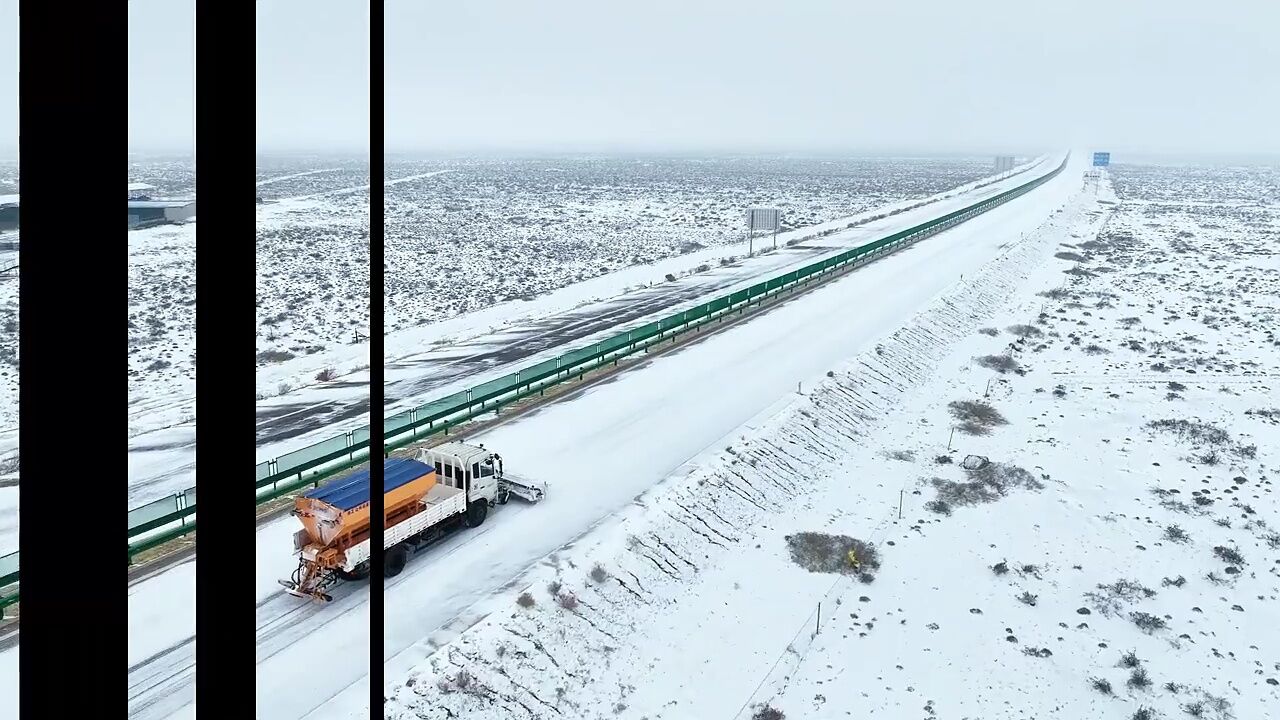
526 490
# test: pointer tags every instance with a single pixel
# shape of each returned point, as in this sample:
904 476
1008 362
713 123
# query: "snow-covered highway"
435 360
597 450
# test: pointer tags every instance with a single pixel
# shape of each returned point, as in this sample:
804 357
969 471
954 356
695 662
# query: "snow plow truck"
447 485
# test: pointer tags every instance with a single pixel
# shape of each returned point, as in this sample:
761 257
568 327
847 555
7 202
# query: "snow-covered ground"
598 451
1114 547
434 360
464 236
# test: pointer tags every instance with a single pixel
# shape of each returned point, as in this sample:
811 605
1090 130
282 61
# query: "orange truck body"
336 517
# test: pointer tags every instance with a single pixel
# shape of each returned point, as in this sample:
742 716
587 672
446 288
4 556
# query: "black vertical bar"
226 321
71 136
377 504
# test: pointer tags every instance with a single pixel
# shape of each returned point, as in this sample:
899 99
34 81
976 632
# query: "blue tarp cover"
353 490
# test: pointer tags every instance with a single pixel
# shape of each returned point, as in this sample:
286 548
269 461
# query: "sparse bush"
1272 540
599 574
1177 582
1147 622
525 600
1228 555
702 268
553 588
1096 349
1108 599
1144 713
975 416
1194 709
1027 598
1198 433
992 480
1210 458
1025 331
1176 386
274 356
326 375
819 552
1173 687
903 455
1138 679
1102 685
768 712
1002 364
1000 568
567 600
943 460
1202 500
989 331
1130 660
1173 533
938 506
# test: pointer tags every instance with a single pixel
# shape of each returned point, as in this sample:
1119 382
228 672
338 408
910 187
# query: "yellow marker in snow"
853 560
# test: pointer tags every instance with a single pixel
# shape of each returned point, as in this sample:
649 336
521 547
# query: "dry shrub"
975 417
525 600
1109 599
1147 622
1195 432
820 552
1002 364
1228 555
768 712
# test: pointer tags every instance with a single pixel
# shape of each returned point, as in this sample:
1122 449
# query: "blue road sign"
1101 159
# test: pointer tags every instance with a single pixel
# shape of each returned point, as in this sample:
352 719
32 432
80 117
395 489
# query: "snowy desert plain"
1059 479
458 273
1049 437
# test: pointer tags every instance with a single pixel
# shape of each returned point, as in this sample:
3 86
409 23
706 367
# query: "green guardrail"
313 464
8 577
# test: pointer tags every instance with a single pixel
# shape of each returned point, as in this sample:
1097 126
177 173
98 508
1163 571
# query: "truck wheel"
360 572
396 557
477 512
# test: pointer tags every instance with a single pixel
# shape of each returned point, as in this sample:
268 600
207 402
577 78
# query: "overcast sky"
980 76
8 79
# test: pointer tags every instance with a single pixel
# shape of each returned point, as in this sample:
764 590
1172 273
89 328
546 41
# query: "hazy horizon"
493 78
